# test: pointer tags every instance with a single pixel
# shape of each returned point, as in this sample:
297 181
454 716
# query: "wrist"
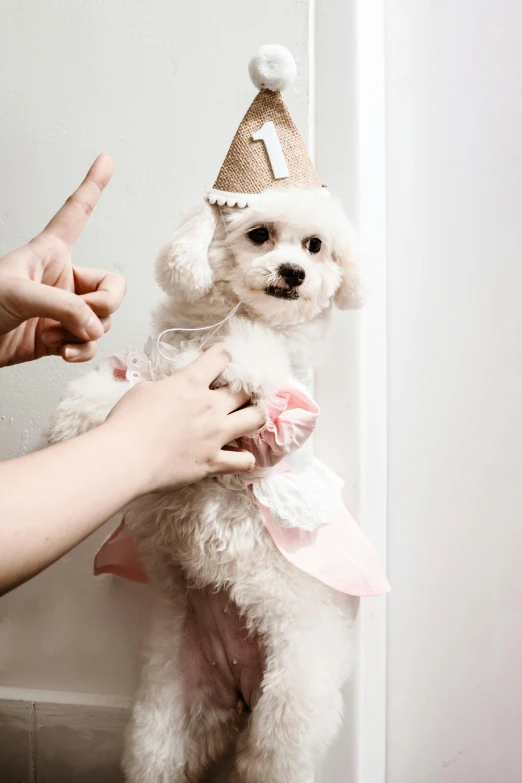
133 455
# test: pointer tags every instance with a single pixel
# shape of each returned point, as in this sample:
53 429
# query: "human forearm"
159 435
53 499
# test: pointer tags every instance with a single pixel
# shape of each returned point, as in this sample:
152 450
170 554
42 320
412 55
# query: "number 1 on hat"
268 135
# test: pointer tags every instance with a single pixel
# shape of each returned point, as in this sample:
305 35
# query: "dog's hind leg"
300 708
174 732
155 741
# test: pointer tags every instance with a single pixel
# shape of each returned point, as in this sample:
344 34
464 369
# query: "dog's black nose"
292 274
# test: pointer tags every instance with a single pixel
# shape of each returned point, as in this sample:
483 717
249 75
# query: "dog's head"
287 258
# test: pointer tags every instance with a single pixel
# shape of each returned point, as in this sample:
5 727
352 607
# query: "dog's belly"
221 661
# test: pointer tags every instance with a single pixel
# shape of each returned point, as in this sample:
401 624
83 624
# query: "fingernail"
71 353
94 328
51 339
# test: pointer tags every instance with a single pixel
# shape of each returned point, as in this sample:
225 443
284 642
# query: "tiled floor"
15 742
56 743
52 743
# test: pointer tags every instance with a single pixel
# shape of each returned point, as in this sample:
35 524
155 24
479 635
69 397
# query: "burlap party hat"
267 151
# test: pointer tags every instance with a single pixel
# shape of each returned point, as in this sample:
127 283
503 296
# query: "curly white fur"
210 535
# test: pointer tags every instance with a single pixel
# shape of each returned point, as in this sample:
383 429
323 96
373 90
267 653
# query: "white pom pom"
272 68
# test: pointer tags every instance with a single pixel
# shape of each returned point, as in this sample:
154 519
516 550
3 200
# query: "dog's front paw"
238 378
259 365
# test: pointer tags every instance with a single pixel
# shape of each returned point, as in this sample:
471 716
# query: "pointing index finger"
70 220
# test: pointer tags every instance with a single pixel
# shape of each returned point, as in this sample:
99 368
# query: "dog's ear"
182 268
350 294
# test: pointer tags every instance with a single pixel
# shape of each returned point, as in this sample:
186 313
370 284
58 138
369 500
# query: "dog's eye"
259 235
314 245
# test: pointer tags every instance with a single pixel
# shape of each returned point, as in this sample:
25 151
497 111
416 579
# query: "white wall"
454 134
141 80
162 86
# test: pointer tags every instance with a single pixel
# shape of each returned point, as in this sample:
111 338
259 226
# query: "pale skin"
160 435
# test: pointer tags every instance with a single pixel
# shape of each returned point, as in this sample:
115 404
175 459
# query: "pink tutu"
301 507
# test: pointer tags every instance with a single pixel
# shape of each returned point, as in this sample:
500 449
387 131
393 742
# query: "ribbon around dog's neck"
215 327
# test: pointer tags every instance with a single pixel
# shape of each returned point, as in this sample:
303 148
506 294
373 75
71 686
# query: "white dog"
287 260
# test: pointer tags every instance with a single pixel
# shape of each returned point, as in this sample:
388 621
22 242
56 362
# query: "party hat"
267 151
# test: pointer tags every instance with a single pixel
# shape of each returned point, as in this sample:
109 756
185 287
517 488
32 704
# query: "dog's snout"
292 274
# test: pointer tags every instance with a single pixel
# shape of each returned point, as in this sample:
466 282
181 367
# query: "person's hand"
47 306
179 428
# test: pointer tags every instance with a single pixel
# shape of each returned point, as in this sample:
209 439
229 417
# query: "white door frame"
348 100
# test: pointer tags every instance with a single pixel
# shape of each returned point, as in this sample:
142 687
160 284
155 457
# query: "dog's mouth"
282 293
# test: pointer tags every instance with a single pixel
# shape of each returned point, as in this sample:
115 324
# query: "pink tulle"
336 553
292 416
118 555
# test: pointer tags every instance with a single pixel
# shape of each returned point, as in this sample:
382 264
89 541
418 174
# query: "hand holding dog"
164 434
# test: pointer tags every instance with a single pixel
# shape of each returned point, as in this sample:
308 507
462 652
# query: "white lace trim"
138 368
223 198
304 499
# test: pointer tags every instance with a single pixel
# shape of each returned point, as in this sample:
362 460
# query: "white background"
162 85
454 150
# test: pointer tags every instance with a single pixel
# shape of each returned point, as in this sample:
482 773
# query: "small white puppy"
287 259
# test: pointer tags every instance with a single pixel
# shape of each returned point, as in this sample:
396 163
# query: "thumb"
23 299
